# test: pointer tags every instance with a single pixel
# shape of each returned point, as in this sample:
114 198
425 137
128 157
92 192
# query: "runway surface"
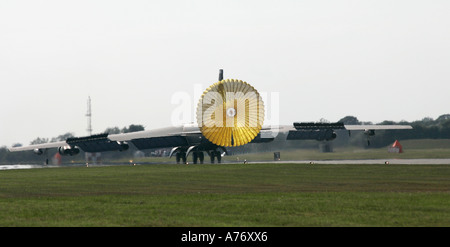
371 161
368 161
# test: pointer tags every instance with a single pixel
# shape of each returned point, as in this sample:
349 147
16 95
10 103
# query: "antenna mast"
89 115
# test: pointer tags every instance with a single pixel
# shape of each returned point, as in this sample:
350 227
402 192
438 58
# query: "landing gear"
198 155
181 156
369 133
214 154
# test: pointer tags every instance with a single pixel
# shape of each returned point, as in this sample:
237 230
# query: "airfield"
269 194
375 161
336 162
349 187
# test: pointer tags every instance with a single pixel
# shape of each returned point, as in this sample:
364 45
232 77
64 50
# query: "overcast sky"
375 60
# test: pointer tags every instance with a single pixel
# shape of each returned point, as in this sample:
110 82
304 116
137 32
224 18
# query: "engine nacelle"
369 132
68 150
319 135
38 151
123 146
331 136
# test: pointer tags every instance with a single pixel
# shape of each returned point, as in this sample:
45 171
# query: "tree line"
427 128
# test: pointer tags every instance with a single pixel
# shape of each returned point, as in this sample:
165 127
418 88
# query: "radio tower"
94 158
89 115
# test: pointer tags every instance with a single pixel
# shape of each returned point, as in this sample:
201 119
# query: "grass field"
227 195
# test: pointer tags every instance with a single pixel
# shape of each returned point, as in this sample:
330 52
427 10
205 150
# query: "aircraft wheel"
183 157
195 157
201 157
211 155
178 158
219 157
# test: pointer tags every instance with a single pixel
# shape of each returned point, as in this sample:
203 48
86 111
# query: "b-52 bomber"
230 113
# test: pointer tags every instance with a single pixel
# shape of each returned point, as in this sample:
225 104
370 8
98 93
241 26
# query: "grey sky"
376 60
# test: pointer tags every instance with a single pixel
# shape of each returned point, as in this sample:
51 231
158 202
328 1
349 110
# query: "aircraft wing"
38 146
158 138
339 125
325 131
377 127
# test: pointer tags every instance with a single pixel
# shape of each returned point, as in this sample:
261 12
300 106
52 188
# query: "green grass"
227 195
344 154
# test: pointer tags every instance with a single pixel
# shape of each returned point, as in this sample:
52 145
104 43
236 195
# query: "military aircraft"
229 113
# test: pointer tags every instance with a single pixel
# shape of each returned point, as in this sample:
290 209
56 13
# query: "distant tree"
427 121
39 141
350 120
132 128
62 137
443 118
113 130
445 128
387 122
404 122
366 122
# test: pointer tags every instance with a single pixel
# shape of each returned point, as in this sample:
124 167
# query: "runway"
19 166
337 162
370 161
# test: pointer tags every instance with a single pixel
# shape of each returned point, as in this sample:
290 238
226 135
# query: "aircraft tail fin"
220 74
